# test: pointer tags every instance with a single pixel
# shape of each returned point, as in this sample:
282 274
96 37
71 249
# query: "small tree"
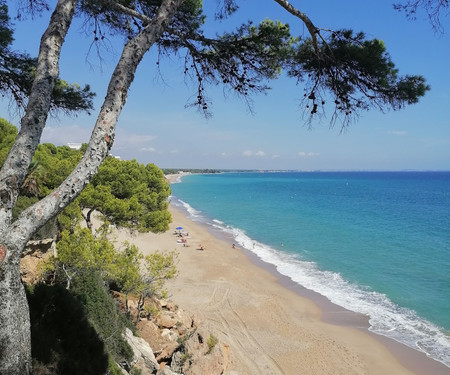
157 269
144 279
127 272
81 250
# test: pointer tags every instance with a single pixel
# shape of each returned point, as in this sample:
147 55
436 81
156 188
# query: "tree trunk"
15 337
87 219
140 305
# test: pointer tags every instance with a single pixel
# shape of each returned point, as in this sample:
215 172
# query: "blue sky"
155 127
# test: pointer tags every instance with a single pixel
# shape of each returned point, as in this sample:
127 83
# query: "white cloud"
175 151
249 153
398 132
147 149
275 156
304 154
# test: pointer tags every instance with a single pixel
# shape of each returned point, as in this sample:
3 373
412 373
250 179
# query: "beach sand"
266 322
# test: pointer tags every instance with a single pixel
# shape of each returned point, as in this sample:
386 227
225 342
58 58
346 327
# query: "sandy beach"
267 324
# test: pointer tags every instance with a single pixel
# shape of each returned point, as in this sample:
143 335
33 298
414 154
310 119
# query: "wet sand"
270 324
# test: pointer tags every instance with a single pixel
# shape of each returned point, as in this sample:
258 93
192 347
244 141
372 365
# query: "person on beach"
233 246
201 247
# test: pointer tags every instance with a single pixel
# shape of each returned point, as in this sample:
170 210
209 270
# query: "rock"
170 335
167 371
179 362
167 321
211 364
184 318
142 366
171 306
167 352
31 260
143 353
39 247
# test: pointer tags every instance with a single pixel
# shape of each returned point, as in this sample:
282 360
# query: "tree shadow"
62 339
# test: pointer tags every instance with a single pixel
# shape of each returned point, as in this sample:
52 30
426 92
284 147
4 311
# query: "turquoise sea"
376 243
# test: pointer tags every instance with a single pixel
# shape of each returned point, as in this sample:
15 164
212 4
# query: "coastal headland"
268 324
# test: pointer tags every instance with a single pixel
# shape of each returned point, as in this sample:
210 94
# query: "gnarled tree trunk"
15 343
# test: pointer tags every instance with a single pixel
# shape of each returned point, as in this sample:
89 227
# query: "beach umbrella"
179 228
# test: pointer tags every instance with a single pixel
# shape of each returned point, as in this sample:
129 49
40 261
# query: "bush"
63 341
212 342
103 314
77 331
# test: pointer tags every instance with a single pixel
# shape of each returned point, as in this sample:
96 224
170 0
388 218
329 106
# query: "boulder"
170 335
143 353
166 321
167 352
185 319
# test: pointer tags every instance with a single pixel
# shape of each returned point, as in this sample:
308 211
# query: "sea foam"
385 317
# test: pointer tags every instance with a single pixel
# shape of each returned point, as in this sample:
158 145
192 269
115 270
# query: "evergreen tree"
17 71
340 68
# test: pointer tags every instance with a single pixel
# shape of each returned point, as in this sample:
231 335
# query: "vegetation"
76 325
85 266
212 342
18 70
340 69
77 331
129 194
63 339
158 267
8 134
103 313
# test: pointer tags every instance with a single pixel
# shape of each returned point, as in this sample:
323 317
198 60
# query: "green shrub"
103 313
212 342
63 341
113 368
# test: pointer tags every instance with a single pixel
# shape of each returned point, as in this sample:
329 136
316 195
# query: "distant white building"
74 146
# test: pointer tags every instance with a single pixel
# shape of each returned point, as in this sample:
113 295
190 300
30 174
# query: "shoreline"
266 321
269 323
411 359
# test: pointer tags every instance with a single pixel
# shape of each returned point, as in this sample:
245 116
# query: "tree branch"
16 164
103 133
126 10
313 31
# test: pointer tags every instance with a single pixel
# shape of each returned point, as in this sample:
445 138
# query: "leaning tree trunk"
15 343
15 336
15 349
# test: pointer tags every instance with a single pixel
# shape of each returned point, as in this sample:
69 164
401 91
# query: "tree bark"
15 338
87 218
15 335
16 165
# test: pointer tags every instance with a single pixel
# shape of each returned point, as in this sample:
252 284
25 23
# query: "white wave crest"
385 317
